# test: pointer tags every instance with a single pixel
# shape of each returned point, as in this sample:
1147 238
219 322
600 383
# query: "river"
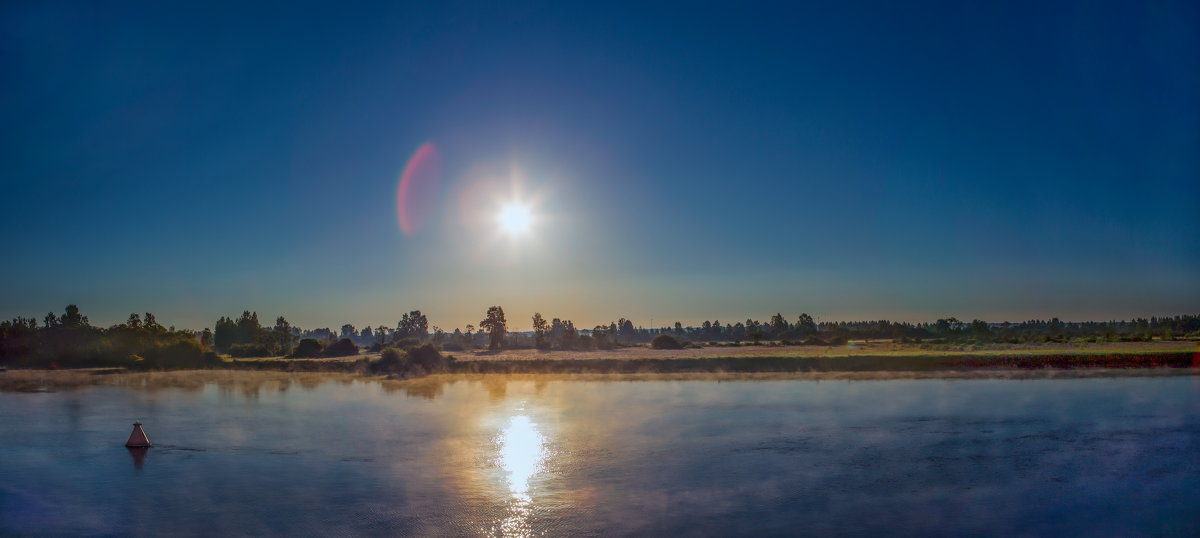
550 456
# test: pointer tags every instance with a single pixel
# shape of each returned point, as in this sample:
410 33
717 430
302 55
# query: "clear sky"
906 160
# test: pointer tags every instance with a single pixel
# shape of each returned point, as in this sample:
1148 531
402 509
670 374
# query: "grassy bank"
911 363
939 363
255 382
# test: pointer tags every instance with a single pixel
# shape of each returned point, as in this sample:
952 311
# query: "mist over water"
548 456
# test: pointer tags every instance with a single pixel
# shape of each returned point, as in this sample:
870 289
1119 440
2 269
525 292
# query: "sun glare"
515 219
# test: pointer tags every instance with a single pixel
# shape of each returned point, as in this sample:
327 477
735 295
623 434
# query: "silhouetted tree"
496 326
778 325
72 319
413 325
539 330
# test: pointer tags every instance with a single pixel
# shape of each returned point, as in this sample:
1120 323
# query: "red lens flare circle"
417 193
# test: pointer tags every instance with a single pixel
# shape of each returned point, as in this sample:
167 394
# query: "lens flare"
417 193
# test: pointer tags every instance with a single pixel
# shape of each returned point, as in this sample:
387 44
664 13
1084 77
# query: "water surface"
546 456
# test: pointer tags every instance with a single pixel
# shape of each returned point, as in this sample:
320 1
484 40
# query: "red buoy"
138 438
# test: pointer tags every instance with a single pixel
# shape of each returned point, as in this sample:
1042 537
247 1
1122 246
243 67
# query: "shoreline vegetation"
252 381
411 350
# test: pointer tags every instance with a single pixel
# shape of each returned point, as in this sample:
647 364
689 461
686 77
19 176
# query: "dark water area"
552 457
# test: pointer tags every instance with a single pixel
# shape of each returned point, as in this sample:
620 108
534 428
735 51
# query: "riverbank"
256 380
858 361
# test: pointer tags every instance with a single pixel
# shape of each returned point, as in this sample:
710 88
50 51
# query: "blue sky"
906 161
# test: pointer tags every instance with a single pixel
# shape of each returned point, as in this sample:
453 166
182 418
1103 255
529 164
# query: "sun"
515 219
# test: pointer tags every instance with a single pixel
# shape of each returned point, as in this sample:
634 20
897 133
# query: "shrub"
308 348
665 341
248 350
427 357
405 343
411 362
180 354
390 360
341 348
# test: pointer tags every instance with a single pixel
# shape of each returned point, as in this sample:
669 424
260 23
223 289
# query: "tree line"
141 341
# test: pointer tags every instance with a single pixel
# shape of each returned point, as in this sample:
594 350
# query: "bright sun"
515 219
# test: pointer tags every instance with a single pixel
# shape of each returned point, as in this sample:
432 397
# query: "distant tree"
413 325
496 326
151 324
756 335
224 334
626 330
50 321
980 329
539 330
678 328
206 337
366 334
752 326
248 327
134 322
72 319
570 336
778 324
805 326
282 337
348 331
600 337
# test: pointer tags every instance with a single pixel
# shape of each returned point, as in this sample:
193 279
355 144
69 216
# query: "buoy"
138 438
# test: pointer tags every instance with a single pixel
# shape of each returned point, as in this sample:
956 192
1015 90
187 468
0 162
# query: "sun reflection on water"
522 453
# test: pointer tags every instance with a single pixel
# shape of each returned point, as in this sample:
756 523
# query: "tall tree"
778 324
496 326
151 324
224 334
539 330
413 325
282 338
72 319
805 326
248 328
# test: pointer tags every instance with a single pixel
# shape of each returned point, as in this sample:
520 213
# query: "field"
853 349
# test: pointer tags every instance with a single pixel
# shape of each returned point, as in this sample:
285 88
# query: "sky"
899 160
